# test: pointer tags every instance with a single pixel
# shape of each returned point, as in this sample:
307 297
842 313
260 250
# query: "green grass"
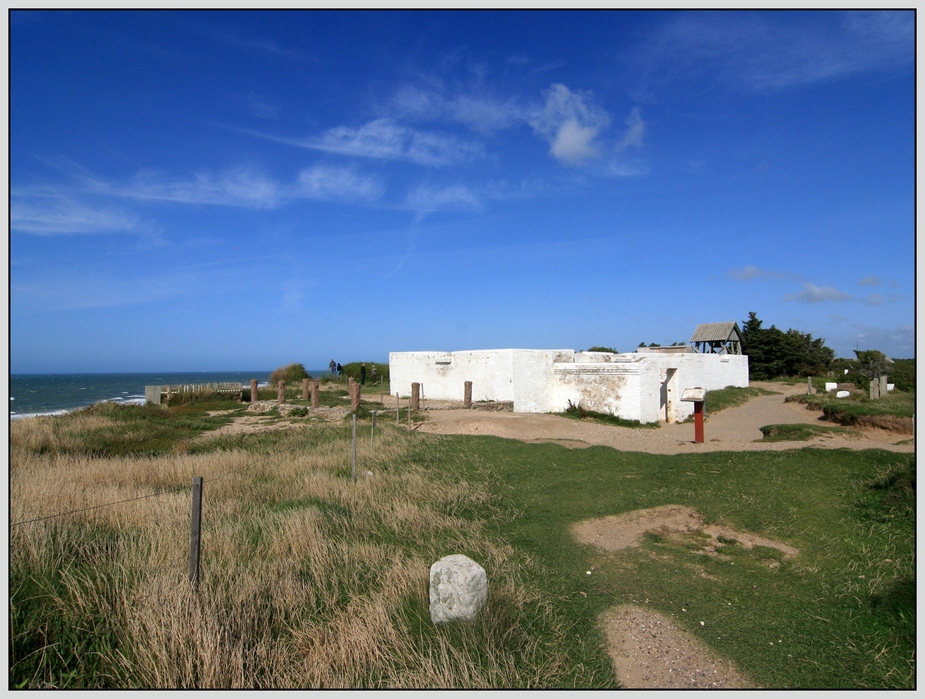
857 406
822 611
577 412
732 396
801 432
841 614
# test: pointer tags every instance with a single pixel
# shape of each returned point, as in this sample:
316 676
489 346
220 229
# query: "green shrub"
290 374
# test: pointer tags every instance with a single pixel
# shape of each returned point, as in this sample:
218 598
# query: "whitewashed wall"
643 387
444 374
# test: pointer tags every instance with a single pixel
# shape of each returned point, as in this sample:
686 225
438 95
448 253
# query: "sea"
55 394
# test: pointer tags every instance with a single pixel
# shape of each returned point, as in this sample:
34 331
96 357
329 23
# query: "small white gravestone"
843 394
458 589
830 386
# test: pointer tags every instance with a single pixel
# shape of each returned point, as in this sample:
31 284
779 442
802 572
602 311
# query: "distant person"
340 369
332 367
372 373
362 373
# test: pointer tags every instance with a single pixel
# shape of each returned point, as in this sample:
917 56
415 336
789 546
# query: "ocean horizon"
34 395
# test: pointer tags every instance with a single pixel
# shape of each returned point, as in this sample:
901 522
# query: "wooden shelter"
718 338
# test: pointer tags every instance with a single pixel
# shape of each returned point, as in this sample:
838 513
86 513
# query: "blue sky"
235 190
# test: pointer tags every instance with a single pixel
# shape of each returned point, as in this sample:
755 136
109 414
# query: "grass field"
312 580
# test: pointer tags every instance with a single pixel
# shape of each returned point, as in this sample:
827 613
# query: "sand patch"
618 532
650 652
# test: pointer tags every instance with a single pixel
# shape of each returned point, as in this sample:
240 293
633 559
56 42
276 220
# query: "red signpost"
697 396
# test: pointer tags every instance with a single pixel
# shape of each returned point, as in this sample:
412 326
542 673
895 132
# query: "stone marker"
316 398
304 389
467 394
458 589
253 390
281 392
843 394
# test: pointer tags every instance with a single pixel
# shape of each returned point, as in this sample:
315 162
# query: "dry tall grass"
308 579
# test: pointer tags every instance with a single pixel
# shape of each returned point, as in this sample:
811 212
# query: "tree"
773 353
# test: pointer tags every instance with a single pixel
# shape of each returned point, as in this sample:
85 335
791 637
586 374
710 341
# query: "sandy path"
736 429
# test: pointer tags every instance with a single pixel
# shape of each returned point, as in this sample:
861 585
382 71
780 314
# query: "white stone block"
830 386
843 394
458 589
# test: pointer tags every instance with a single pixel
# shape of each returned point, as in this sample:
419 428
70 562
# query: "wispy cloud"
324 182
237 187
387 140
810 293
750 272
761 51
479 112
870 281
60 215
425 200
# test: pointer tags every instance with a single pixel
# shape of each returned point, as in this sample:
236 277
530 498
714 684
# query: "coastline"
50 395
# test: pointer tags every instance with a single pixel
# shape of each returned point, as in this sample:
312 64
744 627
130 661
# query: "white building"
644 386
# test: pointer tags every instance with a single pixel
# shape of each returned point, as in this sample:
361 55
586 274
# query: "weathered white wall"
640 386
444 374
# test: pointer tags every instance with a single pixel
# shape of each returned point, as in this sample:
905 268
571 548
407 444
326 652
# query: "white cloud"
322 182
810 293
750 272
426 200
384 139
570 122
769 51
237 187
870 281
59 215
635 131
482 113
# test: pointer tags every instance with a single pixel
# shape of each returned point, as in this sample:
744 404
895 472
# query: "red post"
698 422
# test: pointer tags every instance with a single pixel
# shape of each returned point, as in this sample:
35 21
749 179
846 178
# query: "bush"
290 374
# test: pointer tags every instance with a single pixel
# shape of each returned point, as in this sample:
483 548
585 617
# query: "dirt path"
736 429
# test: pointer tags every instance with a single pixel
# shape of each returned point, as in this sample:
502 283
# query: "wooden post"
253 390
415 397
195 529
353 460
698 422
304 389
281 392
316 399
355 397
467 395
372 430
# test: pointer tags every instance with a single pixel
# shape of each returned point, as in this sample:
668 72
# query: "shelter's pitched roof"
716 332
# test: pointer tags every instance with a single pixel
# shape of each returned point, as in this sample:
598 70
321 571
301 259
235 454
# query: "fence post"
195 529
372 430
415 396
316 399
354 397
281 392
467 395
353 460
253 390
304 389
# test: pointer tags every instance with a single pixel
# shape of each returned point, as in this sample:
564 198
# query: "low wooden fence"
162 394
